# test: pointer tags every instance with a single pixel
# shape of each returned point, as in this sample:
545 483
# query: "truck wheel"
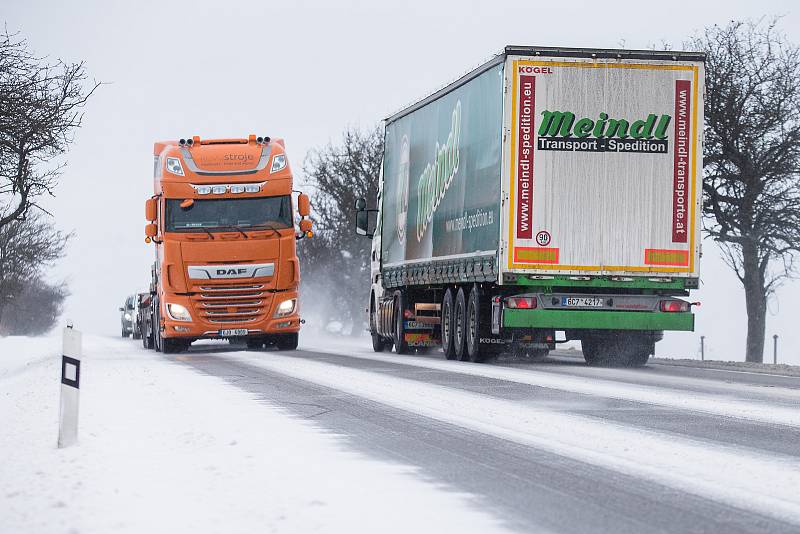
379 344
473 327
400 345
255 344
460 326
287 341
446 325
170 346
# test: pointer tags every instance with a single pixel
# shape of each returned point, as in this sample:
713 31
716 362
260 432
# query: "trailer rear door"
602 166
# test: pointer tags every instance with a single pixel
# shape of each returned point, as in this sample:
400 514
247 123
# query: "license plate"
582 302
416 325
233 332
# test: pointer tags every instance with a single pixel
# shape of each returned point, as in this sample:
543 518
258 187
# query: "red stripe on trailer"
682 149
527 104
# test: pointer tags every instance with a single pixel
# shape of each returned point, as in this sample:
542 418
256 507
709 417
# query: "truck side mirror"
303 205
365 224
361 204
151 209
122 309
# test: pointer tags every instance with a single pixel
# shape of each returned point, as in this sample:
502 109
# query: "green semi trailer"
549 190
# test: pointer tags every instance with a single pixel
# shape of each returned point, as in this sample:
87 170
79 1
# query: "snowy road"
552 446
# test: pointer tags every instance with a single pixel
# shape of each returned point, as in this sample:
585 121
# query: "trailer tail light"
521 303
671 306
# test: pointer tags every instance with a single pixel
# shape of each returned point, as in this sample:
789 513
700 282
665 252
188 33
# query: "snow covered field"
163 448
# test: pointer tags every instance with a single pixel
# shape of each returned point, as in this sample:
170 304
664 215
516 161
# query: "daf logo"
230 272
253 270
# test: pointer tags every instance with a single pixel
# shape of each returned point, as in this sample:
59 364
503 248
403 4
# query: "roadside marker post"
70 384
702 348
775 349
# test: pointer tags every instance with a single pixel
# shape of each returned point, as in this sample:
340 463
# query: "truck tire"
172 346
254 344
446 325
400 345
473 327
287 341
379 344
460 326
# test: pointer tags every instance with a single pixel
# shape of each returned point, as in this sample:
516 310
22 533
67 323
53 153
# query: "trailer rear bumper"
597 320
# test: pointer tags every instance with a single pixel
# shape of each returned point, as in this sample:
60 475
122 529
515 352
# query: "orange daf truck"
223 223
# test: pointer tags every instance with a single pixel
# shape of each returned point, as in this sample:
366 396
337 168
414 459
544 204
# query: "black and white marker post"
70 383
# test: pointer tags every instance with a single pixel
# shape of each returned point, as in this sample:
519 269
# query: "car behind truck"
223 223
549 190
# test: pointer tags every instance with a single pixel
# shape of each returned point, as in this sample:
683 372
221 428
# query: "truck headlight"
278 163
127 316
285 308
174 166
178 312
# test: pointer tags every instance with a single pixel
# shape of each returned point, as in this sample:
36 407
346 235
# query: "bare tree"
337 259
26 248
752 156
40 109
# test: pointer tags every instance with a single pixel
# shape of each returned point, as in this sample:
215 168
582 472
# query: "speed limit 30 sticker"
543 238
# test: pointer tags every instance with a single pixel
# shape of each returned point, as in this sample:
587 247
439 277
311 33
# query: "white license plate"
233 332
582 302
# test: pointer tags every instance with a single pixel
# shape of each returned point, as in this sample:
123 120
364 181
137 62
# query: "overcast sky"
304 71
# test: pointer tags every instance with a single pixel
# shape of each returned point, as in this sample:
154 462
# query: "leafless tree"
752 157
336 260
40 108
26 248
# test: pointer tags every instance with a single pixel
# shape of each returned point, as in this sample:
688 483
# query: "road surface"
552 446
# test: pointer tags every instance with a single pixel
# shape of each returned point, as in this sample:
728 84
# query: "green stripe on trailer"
600 320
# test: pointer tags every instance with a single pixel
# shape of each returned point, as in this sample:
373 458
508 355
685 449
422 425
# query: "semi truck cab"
224 224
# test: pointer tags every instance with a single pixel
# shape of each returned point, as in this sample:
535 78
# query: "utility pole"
702 348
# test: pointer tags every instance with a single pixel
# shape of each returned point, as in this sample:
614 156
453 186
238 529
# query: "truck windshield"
225 213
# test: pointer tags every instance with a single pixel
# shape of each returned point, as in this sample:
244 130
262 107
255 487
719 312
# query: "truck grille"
231 303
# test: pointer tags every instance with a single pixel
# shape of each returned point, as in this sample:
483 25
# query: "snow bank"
165 449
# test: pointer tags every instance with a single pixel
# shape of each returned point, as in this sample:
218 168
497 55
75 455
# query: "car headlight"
178 312
174 166
285 308
278 163
127 316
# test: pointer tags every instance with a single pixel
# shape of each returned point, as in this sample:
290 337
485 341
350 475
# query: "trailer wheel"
400 344
473 323
460 326
446 325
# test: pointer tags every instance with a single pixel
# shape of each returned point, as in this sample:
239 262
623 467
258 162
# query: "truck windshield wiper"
234 228
264 226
